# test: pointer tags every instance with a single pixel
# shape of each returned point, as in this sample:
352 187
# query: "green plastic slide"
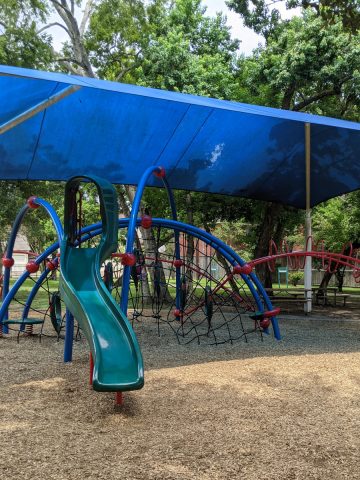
118 364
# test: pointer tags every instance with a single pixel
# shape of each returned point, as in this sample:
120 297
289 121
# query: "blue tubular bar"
9 253
21 280
69 336
131 233
251 280
53 215
10 247
233 258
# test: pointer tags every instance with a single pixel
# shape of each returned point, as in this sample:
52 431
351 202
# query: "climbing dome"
167 276
183 280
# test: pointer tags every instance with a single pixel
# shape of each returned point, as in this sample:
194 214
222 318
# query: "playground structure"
331 262
154 280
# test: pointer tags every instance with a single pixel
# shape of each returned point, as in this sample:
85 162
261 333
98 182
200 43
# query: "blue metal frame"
90 231
133 222
35 289
69 336
9 253
11 242
21 280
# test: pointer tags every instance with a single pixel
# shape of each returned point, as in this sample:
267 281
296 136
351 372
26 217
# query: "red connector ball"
177 312
7 262
265 323
146 221
32 267
160 172
128 259
245 269
31 202
178 263
51 265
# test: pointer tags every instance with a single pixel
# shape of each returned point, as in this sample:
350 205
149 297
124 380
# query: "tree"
164 44
337 223
21 44
118 35
264 18
307 64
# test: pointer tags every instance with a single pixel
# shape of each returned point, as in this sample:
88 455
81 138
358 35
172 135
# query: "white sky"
249 39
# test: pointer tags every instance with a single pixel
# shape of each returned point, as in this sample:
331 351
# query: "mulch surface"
256 410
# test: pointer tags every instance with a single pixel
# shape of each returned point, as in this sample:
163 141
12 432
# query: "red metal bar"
331 257
119 399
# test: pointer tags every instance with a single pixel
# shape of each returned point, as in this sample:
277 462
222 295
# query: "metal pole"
32 111
69 337
308 237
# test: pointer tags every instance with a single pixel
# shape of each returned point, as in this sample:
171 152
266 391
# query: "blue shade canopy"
116 131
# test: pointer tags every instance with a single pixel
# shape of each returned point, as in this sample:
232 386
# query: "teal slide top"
118 364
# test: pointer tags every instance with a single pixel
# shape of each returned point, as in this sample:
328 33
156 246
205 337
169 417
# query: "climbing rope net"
180 284
212 305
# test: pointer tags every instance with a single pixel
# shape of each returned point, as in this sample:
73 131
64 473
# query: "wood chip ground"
257 410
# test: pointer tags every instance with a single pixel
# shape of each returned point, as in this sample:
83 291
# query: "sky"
249 39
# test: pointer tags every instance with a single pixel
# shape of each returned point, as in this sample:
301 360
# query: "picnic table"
328 296
286 294
323 295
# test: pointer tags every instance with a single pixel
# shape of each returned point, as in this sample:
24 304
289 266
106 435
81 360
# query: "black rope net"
213 305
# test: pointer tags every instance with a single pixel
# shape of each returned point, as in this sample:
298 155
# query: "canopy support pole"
308 237
38 108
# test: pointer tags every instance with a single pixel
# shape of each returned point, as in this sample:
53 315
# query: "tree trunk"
267 229
328 275
150 248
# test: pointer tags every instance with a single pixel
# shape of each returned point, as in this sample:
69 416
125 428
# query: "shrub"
295 278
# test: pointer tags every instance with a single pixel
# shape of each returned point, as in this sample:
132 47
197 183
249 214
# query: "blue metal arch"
11 242
260 296
132 227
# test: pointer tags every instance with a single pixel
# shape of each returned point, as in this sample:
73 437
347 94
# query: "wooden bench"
344 296
286 297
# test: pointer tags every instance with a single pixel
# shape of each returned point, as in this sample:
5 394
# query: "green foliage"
164 44
256 15
337 221
239 235
190 52
20 42
118 34
295 278
305 65
264 18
